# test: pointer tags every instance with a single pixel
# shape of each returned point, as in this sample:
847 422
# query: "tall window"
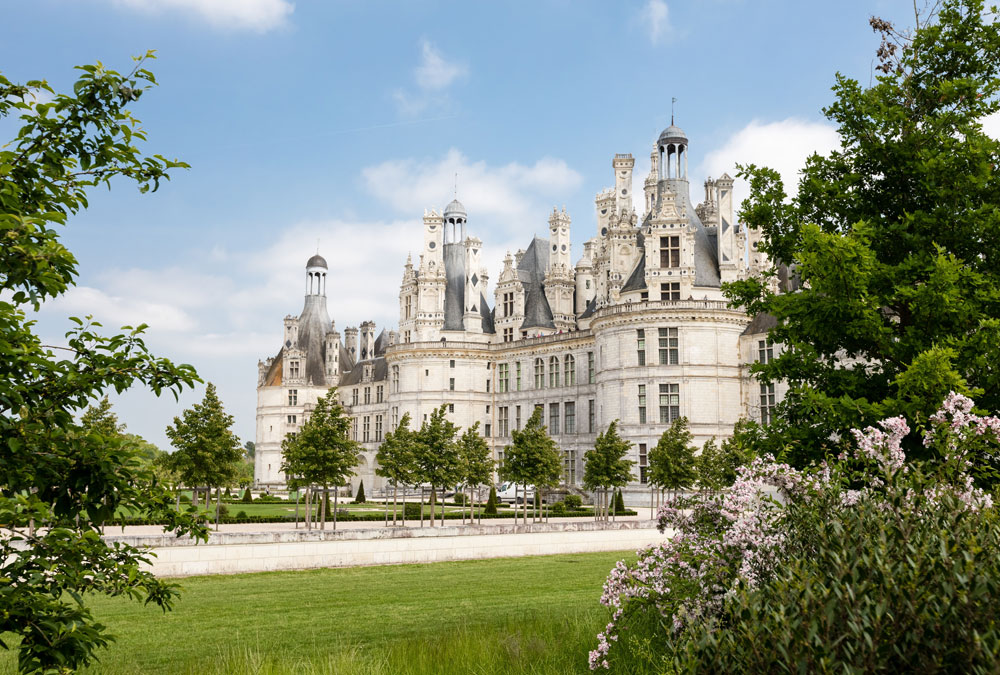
669 354
670 251
590 416
293 369
378 428
292 419
569 370
368 395
354 428
670 403
451 384
643 463
642 404
395 379
517 417
293 397
641 345
503 421
354 396
378 394
670 291
503 375
766 403
395 417
569 417
406 337
553 372
590 367
366 431
765 351
554 419
508 334
539 374
409 306
508 304
517 370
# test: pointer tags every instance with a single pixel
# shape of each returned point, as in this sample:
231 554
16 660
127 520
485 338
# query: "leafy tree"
738 450
100 420
475 463
709 467
394 459
671 461
322 453
605 466
251 449
207 452
532 458
435 453
61 482
895 238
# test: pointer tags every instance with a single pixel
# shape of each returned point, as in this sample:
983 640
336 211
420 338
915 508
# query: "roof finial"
673 100
456 185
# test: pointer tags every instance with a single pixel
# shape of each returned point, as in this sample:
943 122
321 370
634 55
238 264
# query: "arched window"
539 374
554 372
569 374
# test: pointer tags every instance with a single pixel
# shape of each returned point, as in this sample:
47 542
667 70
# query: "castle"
637 331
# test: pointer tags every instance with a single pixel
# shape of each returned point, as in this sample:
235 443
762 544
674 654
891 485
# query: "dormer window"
293 369
670 251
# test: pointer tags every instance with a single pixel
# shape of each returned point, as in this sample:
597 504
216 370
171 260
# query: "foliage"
558 509
532 458
322 453
247 496
359 498
435 453
491 503
251 449
411 510
709 467
394 460
62 481
207 452
573 501
738 450
894 238
671 460
605 465
475 463
870 564
459 499
619 502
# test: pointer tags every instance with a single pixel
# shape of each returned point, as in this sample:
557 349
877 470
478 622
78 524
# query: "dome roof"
455 208
672 134
317 261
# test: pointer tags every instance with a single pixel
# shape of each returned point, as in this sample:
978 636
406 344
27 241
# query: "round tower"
316 270
455 218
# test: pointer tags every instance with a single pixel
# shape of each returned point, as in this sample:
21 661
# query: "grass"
513 615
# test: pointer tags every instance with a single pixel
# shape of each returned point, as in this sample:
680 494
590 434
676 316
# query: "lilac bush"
725 544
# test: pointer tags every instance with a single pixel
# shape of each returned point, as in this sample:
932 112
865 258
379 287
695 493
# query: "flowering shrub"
852 566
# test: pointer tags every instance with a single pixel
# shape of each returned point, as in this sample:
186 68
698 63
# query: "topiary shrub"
229 493
491 503
247 496
460 499
558 509
241 515
184 499
619 502
411 510
223 511
269 499
573 502
360 497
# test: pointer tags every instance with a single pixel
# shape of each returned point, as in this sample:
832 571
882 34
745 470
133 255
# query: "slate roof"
531 273
637 280
589 311
761 324
454 291
380 372
314 323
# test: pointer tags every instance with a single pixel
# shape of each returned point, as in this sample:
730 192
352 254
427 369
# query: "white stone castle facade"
637 331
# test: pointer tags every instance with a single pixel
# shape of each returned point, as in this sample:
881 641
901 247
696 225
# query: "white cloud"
783 146
655 17
254 15
113 310
432 76
991 125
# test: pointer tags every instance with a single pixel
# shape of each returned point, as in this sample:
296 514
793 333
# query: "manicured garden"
514 615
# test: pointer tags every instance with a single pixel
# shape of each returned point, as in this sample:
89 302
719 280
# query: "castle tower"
672 164
623 165
559 284
367 340
586 290
351 342
730 255
332 356
316 270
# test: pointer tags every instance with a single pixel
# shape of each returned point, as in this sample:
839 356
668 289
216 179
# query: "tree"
738 450
532 458
895 241
62 482
251 449
207 452
605 467
491 502
322 453
435 454
474 461
709 467
359 498
100 420
394 460
671 461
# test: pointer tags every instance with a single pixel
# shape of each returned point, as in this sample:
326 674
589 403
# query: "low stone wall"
238 552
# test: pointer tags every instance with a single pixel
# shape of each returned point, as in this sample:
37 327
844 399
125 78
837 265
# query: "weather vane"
673 100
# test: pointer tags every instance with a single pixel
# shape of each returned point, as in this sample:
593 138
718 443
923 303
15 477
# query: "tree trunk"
309 513
297 498
218 506
421 506
433 503
525 504
322 507
194 496
442 505
178 501
336 506
479 509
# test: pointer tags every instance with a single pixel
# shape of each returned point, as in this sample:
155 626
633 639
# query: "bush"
460 499
241 515
247 496
192 509
619 502
558 509
228 494
491 503
184 499
223 511
269 499
411 510
360 497
573 502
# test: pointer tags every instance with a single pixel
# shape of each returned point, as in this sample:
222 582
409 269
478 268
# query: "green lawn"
513 615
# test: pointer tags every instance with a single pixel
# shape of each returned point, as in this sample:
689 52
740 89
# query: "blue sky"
340 121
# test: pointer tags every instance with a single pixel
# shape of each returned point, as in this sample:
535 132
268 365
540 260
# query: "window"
641 345
487 430
517 417
569 417
553 419
503 375
508 334
539 374
642 404
451 384
670 291
766 403
590 417
569 466
378 394
409 306
643 463
508 304
291 435
451 364
395 417
670 403
669 354
670 251
293 369
517 369
366 431
569 370
765 351
354 396
395 379
293 397
406 337
503 426
368 395
590 367
487 386
292 419
378 428
553 372
354 428
540 407
451 407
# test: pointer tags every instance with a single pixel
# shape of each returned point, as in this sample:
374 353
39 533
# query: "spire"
673 100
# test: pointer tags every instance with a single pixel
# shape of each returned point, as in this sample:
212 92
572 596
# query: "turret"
316 270
585 287
559 243
367 340
351 342
623 165
332 356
